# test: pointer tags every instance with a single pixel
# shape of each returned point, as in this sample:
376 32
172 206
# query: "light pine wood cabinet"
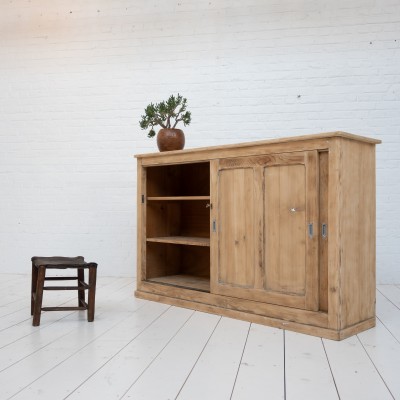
279 232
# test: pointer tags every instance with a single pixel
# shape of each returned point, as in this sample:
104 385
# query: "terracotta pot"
170 139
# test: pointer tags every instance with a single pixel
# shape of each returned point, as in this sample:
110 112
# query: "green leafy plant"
166 114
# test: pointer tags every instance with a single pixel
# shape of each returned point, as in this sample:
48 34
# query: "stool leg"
33 286
39 296
92 293
81 293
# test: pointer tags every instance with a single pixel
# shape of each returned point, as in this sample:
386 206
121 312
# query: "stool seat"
39 267
61 262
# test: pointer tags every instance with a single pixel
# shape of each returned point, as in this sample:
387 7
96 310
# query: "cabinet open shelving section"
279 232
178 234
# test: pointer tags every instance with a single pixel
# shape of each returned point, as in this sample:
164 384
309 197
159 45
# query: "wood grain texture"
187 240
334 250
249 145
273 210
285 229
323 219
312 192
358 278
214 243
278 322
242 305
178 218
237 232
176 198
185 281
164 259
177 180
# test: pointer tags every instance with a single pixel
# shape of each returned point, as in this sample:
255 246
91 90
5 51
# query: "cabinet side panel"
334 249
236 227
357 229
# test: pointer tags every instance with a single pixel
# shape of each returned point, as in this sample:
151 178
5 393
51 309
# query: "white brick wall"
75 77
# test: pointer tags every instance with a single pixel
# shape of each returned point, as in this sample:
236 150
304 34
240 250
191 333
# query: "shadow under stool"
39 267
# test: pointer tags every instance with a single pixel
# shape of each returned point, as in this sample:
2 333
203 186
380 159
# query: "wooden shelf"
186 240
184 281
169 198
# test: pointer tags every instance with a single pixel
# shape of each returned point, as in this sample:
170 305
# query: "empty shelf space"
186 240
184 281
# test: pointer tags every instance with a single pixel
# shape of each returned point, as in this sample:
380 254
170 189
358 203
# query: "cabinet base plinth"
261 319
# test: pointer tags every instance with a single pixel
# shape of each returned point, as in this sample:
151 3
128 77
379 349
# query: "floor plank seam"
284 364
56 349
42 326
330 368
119 351
151 362
394 336
60 304
49 324
14 301
15 311
376 369
388 299
197 359
71 355
240 362
33 352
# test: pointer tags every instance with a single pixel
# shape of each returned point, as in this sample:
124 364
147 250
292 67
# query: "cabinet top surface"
327 135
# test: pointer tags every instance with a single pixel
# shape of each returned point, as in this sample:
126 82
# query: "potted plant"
167 115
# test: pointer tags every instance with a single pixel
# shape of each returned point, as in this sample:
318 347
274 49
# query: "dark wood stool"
39 267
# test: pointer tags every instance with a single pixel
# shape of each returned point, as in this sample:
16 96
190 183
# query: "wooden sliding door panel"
268 218
285 233
236 227
324 226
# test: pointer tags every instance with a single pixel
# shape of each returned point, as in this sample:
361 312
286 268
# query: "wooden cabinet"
279 232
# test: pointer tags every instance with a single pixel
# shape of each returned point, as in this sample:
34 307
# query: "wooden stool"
39 267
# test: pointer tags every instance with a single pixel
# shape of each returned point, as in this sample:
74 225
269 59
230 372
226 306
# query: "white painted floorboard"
137 349
175 362
116 377
262 365
308 374
214 374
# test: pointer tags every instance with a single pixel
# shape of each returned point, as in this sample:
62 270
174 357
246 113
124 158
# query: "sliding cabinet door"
267 229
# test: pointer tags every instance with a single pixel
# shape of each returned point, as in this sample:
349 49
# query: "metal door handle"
324 230
310 230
